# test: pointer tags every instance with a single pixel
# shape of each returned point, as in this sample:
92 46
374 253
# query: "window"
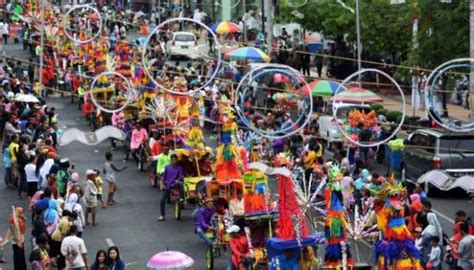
424 142
462 144
184 38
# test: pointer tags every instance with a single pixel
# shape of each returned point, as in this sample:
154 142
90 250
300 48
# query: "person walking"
90 197
74 250
172 177
109 171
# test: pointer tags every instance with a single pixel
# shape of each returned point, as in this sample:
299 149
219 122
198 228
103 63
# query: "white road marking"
443 216
109 242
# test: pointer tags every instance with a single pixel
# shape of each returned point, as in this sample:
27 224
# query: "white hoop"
146 67
259 131
130 95
429 87
296 6
335 110
87 6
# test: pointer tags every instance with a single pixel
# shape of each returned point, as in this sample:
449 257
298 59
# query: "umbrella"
168 260
310 39
225 27
323 88
357 95
249 53
26 98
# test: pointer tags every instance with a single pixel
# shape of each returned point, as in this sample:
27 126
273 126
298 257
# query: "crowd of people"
62 206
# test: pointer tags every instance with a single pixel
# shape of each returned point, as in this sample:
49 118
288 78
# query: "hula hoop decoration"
368 118
296 5
218 3
450 125
129 97
146 65
84 6
289 75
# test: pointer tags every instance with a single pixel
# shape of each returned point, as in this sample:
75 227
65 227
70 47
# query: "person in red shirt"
462 218
87 108
239 247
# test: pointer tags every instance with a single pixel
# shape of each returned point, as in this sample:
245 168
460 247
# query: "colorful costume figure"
195 137
123 51
100 57
291 221
336 222
228 162
397 250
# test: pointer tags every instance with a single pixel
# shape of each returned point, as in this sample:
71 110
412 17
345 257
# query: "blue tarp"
275 247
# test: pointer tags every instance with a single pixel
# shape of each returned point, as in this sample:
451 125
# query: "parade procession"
237 134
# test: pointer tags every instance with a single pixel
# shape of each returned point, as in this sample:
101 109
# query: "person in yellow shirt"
61 231
14 147
100 188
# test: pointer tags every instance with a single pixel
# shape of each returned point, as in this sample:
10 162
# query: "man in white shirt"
236 205
74 249
5 32
32 180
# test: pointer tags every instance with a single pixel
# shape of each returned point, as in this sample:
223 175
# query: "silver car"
439 158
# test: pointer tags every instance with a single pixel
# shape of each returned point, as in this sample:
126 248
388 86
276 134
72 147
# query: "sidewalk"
456 112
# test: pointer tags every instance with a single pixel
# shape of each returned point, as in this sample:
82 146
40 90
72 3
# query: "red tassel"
243 157
288 206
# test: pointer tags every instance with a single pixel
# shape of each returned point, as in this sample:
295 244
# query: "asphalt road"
132 224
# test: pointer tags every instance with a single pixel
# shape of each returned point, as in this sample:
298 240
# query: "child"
109 172
100 187
3 242
434 260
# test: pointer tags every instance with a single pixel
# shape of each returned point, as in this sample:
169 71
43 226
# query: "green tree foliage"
443 32
386 29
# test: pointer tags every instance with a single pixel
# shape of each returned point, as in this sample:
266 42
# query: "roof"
183 33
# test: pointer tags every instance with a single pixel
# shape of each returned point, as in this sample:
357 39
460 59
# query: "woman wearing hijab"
433 229
51 216
72 205
18 228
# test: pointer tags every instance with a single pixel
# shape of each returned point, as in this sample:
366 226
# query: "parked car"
439 158
182 44
328 127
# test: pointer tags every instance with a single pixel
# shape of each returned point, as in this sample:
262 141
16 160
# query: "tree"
385 28
443 32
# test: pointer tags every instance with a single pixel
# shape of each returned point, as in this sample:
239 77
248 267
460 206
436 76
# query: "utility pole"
263 15
269 30
213 11
471 54
41 62
359 44
244 31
